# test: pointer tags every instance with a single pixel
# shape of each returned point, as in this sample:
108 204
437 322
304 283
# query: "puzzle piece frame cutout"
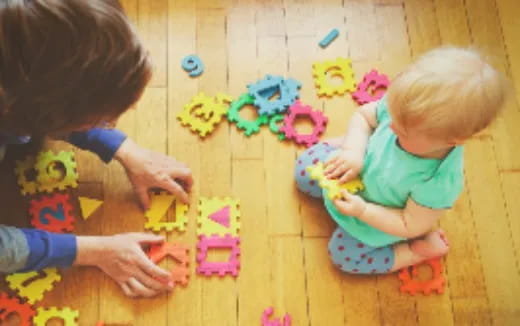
232 266
372 80
47 180
342 68
413 286
9 305
264 89
268 312
212 108
49 205
208 206
317 172
35 290
88 206
160 205
67 315
248 126
298 110
181 273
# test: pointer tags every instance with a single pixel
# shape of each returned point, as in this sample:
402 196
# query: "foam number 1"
193 65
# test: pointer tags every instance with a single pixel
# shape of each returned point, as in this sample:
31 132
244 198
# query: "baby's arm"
412 221
349 162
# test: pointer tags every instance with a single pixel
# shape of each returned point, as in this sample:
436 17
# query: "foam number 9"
193 65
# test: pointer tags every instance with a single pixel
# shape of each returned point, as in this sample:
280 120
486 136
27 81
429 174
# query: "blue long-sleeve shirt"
30 249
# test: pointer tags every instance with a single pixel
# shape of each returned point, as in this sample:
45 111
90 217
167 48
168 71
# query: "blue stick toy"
329 38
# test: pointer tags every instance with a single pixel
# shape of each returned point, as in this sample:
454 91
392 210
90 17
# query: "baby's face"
416 142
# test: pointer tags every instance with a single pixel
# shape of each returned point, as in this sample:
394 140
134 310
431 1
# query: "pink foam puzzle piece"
221 216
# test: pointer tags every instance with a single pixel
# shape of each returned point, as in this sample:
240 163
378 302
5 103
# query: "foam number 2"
52 213
193 65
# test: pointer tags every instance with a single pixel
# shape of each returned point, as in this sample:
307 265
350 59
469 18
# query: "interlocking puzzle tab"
218 216
317 172
9 305
298 110
88 206
341 68
52 213
67 315
275 322
203 113
273 125
160 204
249 126
372 88
266 89
48 178
32 285
232 266
180 253
413 286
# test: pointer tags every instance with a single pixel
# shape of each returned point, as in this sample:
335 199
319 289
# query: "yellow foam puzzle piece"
67 315
37 287
88 206
159 207
208 206
317 172
340 67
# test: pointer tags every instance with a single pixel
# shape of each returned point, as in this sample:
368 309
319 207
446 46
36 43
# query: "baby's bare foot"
434 244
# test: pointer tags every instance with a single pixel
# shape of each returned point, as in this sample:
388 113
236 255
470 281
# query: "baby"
407 149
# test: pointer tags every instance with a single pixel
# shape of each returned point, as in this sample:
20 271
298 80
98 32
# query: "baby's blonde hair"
449 92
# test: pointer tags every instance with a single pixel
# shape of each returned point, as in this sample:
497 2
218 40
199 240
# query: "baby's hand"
350 204
345 166
123 259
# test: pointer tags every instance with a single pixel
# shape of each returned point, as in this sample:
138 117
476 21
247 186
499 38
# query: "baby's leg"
434 244
312 155
352 256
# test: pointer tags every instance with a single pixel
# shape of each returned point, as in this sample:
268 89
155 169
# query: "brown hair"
67 64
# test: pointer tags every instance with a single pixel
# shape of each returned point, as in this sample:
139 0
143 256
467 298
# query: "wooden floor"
284 235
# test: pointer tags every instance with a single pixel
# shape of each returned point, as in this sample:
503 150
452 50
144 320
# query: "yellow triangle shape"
88 206
159 206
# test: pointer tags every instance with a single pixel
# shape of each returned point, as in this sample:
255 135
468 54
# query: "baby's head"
67 65
443 99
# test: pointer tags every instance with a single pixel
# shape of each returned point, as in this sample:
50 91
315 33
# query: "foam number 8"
193 65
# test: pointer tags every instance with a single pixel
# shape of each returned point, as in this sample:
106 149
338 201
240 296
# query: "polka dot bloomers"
347 253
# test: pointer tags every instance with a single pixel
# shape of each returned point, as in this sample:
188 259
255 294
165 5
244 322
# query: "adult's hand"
147 169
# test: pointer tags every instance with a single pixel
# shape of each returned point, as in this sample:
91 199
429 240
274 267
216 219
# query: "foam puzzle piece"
378 82
52 213
67 315
249 126
273 125
222 216
22 169
331 36
47 179
203 113
160 203
298 110
208 207
32 285
341 68
181 273
9 305
232 266
413 286
274 322
88 206
317 172
264 89
192 65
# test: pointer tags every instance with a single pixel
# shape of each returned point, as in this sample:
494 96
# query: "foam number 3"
193 65
52 213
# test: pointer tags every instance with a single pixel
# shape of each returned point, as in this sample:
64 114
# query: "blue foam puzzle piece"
192 65
329 38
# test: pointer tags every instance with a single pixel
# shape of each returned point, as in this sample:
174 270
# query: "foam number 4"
193 65
32 285
52 213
